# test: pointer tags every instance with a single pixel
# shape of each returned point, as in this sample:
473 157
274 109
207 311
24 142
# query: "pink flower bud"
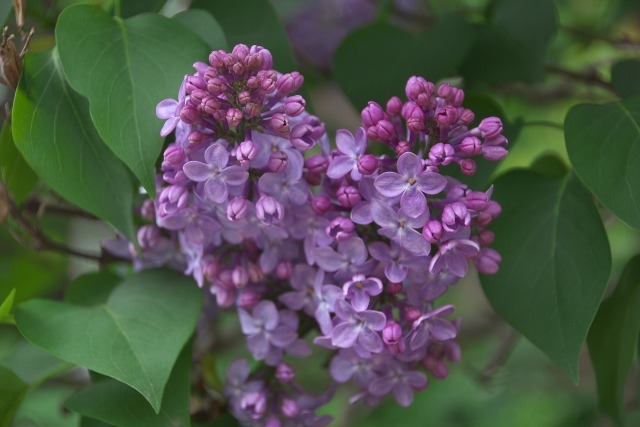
252 110
174 156
269 210
402 147
414 116
445 91
234 116
494 153
148 210
468 167
249 299
289 408
394 106
302 136
467 117
320 204
317 164
411 314
471 146
294 105
216 58
285 373
385 130
237 208
486 237
244 97
240 51
246 151
267 59
433 231
447 115
289 82
195 137
189 114
284 270
455 215
239 277
367 164
394 288
476 200
490 127
372 114
277 161
442 154
280 124
392 333
216 86
340 229
348 196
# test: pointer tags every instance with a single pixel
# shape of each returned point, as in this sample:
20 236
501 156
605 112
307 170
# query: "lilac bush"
347 248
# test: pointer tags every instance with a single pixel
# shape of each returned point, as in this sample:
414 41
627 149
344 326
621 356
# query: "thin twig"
590 77
545 123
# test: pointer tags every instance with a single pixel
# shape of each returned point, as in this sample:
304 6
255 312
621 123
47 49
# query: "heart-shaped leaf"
204 25
613 340
135 337
91 288
375 62
53 132
603 142
555 262
126 68
115 403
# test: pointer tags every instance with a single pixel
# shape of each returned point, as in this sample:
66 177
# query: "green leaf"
7 304
115 403
624 77
53 131
43 408
512 45
603 143
135 337
555 262
126 68
613 340
254 23
205 25
130 8
12 391
369 65
550 165
18 177
92 288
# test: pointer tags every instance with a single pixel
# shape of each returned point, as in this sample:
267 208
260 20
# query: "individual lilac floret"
263 330
358 329
359 290
401 382
351 149
412 182
400 228
215 174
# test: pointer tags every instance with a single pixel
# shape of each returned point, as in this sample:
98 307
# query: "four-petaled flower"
215 173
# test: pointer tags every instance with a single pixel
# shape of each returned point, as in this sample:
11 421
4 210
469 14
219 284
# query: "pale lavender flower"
263 330
285 188
433 326
215 174
360 288
400 228
351 255
358 330
453 255
412 183
399 380
351 149
397 261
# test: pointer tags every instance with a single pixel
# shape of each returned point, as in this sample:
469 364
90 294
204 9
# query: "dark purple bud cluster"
349 246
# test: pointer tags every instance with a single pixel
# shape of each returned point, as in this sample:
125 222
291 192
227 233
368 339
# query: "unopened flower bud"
402 147
267 59
216 86
277 161
348 196
317 164
237 208
195 137
494 153
372 114
476 200
148 210
189 114
394 106
467 117
486 237
302 136
252 110
148 236
392 333
285 373
289 408
280 124
246 151
288 83
320 204
239 277
411 313
471 146
447 115
385 130
269 210
442 154
367 164
249 299
294 105
433 231
340 229
174 156
195 83
455 215
284 270
234 116
394 288
414 116
490 127
468 167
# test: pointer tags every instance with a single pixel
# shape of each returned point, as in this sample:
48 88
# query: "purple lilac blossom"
349 246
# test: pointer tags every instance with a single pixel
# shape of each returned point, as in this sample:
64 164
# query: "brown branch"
590 77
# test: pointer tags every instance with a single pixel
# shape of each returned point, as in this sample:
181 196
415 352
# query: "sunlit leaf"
125 68
603 142
555 262
135 337
53 131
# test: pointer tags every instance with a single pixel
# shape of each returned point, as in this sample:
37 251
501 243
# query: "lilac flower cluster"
352 245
